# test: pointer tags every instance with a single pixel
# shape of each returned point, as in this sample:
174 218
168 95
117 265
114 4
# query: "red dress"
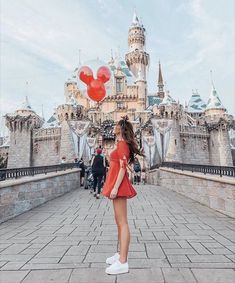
118 158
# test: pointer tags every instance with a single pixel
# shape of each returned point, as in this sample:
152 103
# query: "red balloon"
86 74
103 74
96 90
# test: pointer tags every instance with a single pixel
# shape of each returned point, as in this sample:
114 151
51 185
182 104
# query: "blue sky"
40 42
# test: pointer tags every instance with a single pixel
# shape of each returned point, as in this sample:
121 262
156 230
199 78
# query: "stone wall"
220 149
173 152
67 146
46 146
20 195
213 191
194 150
20 149
47 153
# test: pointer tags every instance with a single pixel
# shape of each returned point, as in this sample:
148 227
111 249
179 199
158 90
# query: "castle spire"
160 79
160 83
212 82
135 20
214 101
25 105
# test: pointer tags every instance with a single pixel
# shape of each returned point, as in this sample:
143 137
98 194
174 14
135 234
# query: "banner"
149 149
79 134
91 142
162 126
79 127
82 145
158 138
90 148
162 131
150 140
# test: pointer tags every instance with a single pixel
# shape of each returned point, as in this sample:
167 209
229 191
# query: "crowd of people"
93 175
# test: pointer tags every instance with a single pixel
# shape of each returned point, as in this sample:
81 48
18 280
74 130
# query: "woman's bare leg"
119 233
120 210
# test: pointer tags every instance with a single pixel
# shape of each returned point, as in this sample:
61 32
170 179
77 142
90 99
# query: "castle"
197 133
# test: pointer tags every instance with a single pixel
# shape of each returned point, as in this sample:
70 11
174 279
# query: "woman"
118 188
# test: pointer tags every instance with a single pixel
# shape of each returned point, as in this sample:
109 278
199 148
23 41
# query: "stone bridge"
174 239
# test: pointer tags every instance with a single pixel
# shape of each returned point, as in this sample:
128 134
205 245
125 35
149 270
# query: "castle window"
175 142
120 105
119 84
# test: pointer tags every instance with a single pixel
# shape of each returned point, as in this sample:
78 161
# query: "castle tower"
142 90
170 110
68 113
70 110
218 122
160 83
71 91
137 59
21 125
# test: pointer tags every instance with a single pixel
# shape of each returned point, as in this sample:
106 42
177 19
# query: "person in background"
98 168
137 171
106 163
82 167
63 160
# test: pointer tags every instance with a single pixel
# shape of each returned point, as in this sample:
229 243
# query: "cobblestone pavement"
173 239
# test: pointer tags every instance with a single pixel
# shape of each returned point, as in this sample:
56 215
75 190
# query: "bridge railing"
14 173
206 169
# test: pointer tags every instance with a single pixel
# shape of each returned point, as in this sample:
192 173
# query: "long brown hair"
129 136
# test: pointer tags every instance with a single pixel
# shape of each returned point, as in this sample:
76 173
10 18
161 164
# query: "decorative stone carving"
36 147
204 144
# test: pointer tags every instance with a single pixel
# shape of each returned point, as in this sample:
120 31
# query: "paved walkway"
174 239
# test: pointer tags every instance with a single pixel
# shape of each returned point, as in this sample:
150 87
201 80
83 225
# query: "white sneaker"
112 259
117 268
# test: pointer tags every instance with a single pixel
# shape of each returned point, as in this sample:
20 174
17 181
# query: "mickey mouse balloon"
96 87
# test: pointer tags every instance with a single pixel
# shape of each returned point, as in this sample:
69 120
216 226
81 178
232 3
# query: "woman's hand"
113 193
